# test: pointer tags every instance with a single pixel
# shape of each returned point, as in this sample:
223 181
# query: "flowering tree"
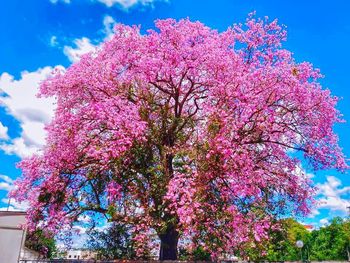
190 133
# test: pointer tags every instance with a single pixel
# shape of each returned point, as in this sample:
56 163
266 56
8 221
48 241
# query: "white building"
81 254
74 254
29 254
12 235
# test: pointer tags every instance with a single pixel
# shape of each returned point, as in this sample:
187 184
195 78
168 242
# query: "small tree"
115 242
42 242
183 131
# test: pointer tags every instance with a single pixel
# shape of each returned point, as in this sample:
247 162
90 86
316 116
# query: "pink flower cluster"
114 191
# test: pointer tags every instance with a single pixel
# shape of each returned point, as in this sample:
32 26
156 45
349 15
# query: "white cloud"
84 219
64 1
324 221
14 206
314 212
53 41
19 99
9 208
301 172
332 195
79 229
125 3
5 186
3 132
6 178
83 46
6 183
20 147
109 24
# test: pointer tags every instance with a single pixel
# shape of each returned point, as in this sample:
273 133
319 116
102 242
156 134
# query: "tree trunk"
168 244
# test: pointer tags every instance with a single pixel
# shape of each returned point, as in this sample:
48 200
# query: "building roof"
309 227
12 213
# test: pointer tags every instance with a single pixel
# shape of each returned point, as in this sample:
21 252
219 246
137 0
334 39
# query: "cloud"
108 23
8 208
6 183
83 46
20 147
53 41
301 172
63 1
19 99
14 206
314 212
6 178
126 4
332 195
85 219
324 221
79 229
3 132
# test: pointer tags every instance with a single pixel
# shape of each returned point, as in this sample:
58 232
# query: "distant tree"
347 236
198 253
115 242
42 242
331 242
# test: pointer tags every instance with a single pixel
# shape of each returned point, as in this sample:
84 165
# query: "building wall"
74 254
29 254
11 236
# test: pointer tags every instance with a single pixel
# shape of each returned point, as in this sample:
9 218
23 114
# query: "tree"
115 242
347 236
41 242
331 242
281 245
184 132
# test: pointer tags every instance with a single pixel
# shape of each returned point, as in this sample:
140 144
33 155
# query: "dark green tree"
347 236
332 241
197 254
115 242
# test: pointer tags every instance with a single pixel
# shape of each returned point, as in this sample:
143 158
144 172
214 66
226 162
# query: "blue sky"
37 35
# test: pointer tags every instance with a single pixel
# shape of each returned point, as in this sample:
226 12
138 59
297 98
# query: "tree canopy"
114 242
329 242
185 132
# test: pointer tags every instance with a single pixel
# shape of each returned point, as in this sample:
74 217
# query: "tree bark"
168 244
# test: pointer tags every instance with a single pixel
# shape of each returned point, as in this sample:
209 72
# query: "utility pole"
8 204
